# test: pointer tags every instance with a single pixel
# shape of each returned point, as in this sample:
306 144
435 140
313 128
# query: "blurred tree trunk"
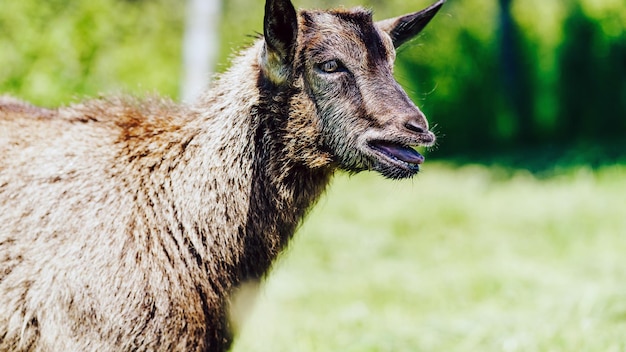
200 47
515 75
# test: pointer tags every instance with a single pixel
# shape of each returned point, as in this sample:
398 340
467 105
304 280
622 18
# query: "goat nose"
414 126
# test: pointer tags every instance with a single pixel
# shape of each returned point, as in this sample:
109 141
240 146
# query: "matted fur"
126 225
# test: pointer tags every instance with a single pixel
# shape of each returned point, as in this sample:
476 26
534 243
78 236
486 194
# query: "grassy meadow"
460 258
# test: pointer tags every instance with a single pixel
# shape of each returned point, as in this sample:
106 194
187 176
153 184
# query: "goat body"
127 224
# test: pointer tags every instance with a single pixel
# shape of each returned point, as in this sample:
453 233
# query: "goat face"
345 61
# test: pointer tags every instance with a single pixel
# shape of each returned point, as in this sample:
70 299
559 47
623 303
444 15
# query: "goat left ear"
280 29
405 27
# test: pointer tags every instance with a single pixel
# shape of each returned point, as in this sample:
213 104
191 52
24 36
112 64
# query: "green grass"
461 258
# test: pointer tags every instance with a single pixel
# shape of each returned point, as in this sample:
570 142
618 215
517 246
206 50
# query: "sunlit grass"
458 259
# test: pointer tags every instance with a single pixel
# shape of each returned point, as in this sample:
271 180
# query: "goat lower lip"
398 152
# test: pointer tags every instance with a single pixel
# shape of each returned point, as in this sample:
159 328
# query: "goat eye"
330 66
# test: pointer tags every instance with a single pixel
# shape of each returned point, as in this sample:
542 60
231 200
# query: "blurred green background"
513 236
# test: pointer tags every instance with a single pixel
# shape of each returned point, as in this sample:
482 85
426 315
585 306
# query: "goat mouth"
397 154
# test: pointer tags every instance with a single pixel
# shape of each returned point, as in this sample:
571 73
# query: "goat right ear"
280 29
402 29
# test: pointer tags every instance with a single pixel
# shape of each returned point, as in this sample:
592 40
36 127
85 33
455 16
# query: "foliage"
52 52
559 77
460 259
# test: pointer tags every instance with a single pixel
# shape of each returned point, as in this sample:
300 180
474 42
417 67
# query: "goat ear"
405 27
280 29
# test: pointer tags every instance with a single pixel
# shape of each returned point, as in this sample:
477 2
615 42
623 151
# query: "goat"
127 224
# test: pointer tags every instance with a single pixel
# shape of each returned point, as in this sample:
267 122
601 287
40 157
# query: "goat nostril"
412 126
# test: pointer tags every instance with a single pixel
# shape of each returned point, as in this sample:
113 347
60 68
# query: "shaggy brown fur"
127 225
